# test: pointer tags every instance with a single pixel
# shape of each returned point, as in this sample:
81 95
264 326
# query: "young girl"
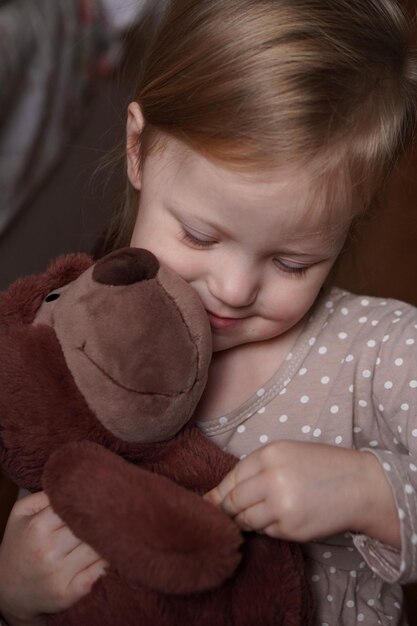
260 132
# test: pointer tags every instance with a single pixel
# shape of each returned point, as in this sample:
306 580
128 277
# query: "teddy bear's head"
116 352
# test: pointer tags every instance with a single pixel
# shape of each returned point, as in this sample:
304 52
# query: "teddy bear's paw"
153 531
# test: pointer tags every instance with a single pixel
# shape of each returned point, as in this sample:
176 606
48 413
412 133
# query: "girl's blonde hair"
326 84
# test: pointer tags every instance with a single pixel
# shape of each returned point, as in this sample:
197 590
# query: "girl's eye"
195 241
295 270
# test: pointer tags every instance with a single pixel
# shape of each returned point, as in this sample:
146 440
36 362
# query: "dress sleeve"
393 394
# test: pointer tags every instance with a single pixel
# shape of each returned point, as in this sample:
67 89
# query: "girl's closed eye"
291 268
195 241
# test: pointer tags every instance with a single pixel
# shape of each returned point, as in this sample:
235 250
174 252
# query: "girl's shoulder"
363 309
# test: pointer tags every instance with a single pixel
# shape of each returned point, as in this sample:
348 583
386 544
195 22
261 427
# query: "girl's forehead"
293 197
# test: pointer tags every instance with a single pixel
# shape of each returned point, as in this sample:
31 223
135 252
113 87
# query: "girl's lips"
222 322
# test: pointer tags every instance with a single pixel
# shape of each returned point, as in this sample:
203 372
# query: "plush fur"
101 367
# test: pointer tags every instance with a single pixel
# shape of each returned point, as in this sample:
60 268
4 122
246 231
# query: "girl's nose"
236 287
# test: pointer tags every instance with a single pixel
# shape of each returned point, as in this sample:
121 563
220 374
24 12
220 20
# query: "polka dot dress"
350 381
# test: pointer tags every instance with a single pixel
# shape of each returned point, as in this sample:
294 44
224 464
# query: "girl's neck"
238 373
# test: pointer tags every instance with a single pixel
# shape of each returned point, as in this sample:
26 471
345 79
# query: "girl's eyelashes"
195 241
294 270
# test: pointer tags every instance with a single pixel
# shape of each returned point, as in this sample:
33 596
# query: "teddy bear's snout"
125 267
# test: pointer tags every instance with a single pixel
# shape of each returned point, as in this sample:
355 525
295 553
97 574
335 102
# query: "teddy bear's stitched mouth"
130 389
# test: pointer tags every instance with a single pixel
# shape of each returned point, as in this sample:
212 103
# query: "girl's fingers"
31 504
257 517
242 471
83 580
82 557
243 496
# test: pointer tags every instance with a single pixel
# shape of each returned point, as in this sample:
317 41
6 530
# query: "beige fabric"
350 380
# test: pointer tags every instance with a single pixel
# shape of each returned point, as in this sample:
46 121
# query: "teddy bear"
102 366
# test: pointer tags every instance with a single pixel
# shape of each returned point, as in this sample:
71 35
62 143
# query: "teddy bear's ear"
23 298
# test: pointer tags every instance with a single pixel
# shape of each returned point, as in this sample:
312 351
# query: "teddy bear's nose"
125 267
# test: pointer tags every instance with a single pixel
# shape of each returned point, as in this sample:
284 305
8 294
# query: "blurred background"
67 69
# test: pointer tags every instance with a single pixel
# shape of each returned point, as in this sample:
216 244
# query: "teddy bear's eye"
52 297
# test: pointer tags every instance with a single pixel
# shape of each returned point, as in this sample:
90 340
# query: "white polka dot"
378 361
329 598
317 432
327 555
304 399
287 381
332 570
398 362
365 302
362 564
371 602
342 335
381 407
413 467
414 432
373 444
322 350
366 373
398 313
388 384
353 573
371 343
241 429
413 384
401 514
363 403
325 380
283 418
385 338
395 441
345 311
289 356
405 406
302 371
223 420
262 410
306 429
399 429
383 303
360 617
338 439
315 578
260 392
375 322
357 429
387 467
363 320
312 341
242 456
350 604
408 489
281 393
349 358
334 409
414 539
263 438
351 388
397 605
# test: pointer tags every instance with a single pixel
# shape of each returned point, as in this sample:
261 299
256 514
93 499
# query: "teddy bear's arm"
151 530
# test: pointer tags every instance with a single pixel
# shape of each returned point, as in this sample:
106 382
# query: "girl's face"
251 247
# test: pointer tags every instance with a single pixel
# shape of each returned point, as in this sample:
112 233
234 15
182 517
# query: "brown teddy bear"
102 366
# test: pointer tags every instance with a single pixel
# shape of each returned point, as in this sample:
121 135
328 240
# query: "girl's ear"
134 128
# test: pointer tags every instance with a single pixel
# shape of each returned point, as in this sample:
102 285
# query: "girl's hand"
44 568
305 491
